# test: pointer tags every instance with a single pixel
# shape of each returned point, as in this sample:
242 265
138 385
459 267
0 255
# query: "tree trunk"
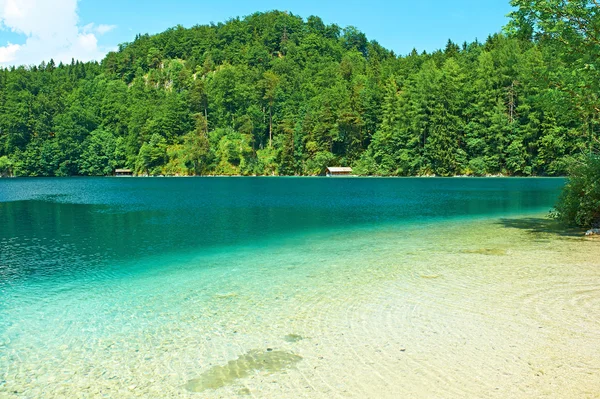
270 126
206 118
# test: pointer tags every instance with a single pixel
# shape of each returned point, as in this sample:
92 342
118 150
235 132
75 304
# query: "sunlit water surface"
294 287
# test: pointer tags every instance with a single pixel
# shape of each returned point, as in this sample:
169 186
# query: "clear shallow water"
154 287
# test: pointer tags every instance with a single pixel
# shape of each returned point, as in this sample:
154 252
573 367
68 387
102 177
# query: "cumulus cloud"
9 53
51 29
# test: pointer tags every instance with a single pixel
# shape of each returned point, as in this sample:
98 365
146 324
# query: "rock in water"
255 360
293 338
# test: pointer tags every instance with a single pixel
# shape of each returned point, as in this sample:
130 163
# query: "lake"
294 287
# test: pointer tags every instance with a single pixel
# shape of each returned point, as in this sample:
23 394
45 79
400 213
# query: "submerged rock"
253 361
228 295
293 338
487 251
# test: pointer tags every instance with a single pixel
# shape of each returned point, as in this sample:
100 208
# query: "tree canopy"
572 29
275 94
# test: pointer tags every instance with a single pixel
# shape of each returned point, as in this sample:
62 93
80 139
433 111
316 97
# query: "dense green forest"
572 27
275 94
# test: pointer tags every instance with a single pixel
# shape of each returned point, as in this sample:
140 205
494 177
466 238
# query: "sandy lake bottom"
479 308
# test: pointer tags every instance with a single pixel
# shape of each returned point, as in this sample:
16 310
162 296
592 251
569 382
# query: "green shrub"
6 166
477 166
579 203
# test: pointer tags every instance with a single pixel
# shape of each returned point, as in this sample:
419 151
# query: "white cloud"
102 29
52 30
8 53
99 29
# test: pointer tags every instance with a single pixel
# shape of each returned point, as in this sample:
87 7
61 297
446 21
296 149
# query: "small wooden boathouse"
123 172
339 171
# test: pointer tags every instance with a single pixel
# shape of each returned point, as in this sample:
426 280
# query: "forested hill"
273 93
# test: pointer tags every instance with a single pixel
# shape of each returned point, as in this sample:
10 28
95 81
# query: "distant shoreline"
299 176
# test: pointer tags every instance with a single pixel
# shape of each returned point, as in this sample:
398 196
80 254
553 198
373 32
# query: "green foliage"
233 152
579 203
274 94
572 29
102 154
152 156
267 164
6 166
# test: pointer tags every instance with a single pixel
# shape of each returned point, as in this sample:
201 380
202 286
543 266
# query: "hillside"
273 93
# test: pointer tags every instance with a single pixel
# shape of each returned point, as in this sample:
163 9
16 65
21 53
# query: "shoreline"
287 177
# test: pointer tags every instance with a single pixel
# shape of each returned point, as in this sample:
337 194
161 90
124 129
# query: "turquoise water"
113 283
76 228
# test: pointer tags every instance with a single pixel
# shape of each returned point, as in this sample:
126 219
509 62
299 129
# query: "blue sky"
33 30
